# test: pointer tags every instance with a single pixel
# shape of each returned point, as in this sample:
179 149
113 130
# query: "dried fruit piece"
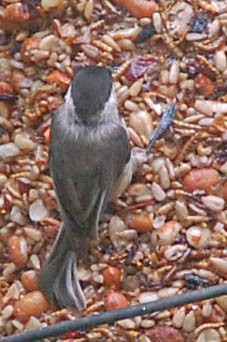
17 248
204 85
17 12
202 179
115 300
139 221
138 67
5 88
112 276
163 333
139 8
32 304
29 44
59 78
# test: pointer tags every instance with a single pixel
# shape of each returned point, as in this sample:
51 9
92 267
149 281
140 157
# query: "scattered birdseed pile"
167 234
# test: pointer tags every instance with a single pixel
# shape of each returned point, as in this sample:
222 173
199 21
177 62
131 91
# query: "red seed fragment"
139 8
59 78
17 248
139 221
115 301
112 276
164 333
203 179
32 304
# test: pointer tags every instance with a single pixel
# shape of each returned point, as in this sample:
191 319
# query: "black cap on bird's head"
91 89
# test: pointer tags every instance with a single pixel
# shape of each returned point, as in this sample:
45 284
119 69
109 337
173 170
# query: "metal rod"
113 316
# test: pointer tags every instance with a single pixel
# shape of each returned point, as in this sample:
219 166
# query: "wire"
112 316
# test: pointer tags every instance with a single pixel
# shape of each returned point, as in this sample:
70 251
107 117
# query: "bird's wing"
84 181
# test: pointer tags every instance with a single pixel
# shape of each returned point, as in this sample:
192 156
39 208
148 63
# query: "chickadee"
91 165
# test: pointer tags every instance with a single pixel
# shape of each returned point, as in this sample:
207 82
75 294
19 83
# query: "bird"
91 164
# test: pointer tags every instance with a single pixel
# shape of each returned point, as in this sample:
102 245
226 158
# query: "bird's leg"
163 126
139 155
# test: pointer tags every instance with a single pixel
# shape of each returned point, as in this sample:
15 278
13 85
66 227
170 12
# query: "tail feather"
58 278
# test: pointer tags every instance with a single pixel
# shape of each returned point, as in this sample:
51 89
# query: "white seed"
213 203
158 193
35 262
159 221
167 292
174 73
179 17
135 88
147 323
167 233
131 106
117 226
146 297
157 22
8 151
189 322
138 189
17 216
10 268
206 122
209 335
175 252
126 44
111 42
3 180
214 28
181 210
33 323
49 43
198 237
37 211
128 234
18 325
187 84
164 177
164 76
90 50
142 123
157 163
88 10
195 36
145 21
207 309
7 312
178 318
47 4
222 302
127 323
131 33
33 234
220 60
210 107
219 265
24 142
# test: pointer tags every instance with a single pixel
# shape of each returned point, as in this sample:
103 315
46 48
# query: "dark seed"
146 33
198 22
193 281
221 152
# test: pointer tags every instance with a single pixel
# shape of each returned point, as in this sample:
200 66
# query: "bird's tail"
58 278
